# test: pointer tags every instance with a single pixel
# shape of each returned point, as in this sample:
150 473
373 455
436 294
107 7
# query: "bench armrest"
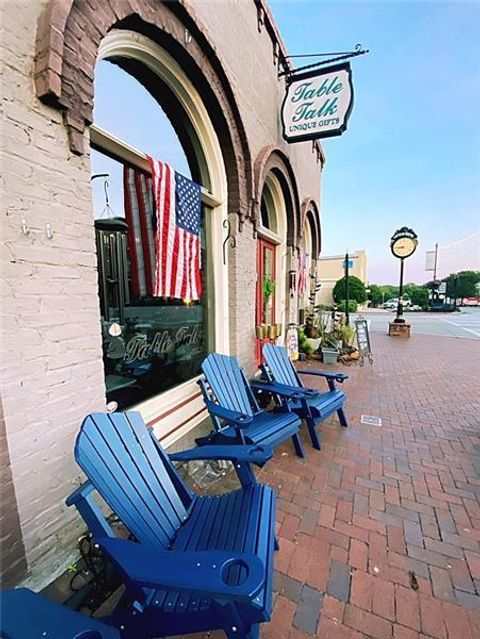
239 420
202 572
258 455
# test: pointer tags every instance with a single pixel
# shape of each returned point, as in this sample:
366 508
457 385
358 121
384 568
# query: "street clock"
403 243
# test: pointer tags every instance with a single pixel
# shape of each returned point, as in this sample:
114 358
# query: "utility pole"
435 289
347 292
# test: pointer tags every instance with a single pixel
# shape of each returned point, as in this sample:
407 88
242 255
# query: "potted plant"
348 333
330 351
268 287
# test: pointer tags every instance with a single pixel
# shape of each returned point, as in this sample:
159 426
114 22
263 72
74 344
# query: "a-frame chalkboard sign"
363 341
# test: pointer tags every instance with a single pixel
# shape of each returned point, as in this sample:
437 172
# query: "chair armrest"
239 420
79 493
338 377
255 454
84 501
290 392
202 572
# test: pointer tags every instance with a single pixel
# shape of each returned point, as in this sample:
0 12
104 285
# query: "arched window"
269 217
152 343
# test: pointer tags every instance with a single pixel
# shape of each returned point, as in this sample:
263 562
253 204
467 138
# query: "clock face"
404 247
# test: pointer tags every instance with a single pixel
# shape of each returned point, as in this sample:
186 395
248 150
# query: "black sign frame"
363 340
345 66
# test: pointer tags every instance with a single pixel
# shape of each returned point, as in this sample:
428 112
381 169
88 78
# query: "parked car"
471 301
393 303
389 304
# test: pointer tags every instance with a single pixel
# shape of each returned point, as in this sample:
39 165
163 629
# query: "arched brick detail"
311 215
273 159
68 38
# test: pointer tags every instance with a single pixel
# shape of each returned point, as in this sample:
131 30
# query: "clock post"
402 244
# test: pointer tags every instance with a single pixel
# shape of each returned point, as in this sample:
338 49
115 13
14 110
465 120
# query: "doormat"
371 420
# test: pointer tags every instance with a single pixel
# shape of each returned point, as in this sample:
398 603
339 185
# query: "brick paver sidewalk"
379 531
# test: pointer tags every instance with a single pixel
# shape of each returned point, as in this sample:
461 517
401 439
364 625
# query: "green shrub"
352 306
356 290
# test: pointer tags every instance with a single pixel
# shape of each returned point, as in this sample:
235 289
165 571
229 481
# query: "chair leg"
342 418
245 473
298 445
313 433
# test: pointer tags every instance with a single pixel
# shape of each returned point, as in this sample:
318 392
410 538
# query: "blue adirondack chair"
196 563
313 406
235 413
26 615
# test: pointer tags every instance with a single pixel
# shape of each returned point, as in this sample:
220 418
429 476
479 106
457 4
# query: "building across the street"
332 268
84 321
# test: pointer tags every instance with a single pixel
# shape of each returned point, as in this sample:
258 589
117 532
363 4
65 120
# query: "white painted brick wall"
51 367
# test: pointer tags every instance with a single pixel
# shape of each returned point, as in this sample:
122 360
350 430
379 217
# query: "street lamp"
403 244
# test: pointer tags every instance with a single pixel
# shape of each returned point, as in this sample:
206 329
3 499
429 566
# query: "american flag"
141 220
177 239
302 272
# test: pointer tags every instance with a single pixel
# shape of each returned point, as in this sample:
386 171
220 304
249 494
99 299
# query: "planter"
314 343
329 355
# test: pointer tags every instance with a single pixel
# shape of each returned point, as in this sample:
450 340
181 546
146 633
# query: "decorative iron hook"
233 241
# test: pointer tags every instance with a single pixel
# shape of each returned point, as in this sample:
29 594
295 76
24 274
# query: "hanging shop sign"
317 104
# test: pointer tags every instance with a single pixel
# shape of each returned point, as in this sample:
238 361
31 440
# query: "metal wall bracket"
24 226
230 237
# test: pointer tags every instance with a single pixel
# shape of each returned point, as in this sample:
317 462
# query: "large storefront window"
150 342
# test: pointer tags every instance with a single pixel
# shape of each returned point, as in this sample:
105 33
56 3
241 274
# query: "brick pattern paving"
379 531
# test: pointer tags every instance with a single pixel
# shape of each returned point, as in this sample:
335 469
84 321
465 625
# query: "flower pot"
329 355
314 343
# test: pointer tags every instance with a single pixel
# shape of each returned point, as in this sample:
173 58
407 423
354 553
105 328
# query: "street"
464 324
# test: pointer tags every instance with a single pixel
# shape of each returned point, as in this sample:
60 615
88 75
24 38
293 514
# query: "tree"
375 294
463 284
356 290
389 291
416 293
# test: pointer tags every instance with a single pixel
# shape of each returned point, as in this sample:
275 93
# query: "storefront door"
266 285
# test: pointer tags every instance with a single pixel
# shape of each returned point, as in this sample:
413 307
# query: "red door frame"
270 246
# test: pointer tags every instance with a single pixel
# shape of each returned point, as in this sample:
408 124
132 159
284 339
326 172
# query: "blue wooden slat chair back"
197 563
229 384
314 406
133 476
235 413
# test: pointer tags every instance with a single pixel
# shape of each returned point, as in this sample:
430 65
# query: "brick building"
213 70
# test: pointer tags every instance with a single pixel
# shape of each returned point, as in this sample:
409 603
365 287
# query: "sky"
411 154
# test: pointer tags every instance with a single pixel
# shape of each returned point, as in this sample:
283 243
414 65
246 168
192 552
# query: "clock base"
397 329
